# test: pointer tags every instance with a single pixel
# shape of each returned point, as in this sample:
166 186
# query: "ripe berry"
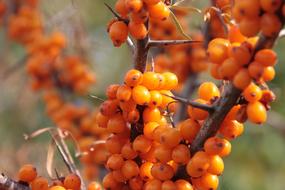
170 138
124 93
270 6
151 115
266 57
150 80
198 165
268 74
229 68
27 173
250 27
196 113
94 186
39 183
168 185
252 93
137 30
145 171
118 33
115 162
141 95
256 112
153 184
162 153
242 79
141 144
182 184
217 146
72 181
121 8
162 171
155 98
171 81
130 169
158 11
181 154
128 152
209 181
133 78
116 124
231 129
208 90
189 129
216 165
149 129
270 24
134 5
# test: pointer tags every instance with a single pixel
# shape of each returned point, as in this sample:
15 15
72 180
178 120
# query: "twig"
208 108
160 43
116 14
131 45
140 55
14 67
8 184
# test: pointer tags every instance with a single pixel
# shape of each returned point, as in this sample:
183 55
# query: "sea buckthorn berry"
250 27
109 182
121 8
94 186
215 71
151 115
270 24
208 90
137 30
162 171
196 113
133 78
134 5
128 152
198 165
136 183
118 33
124 93
268 74
57 188
217 146
231 129
140 17
39 183
114 144
249 9
168 185
189 129
218 49
141 95
27 173
252 93
153 184
155 98
57 183
233 112
141 144
171 81
109 108
158 11
72 181
241 53
255 70
256 112
128 106
130 169
115 162
111 91
209 181
182 184
270 6
267 96
229 68
216 165
266 57
235 35
145 171
150 80
116 124
151 2
242 79
181 154
170 138
166 100
159 130
133 116
162 153
149 129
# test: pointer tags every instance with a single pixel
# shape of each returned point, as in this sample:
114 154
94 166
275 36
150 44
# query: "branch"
131 44
208 108
14 67
116 14
159 43
140 55
8 184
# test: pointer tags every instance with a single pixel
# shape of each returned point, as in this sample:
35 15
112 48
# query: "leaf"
187 8
178 26
38 132
182 2
50 156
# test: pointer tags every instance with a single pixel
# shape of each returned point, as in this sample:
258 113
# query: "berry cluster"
235 59
28 176
135 13
258 15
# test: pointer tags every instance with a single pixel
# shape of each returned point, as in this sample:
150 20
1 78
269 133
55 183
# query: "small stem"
159 43
140 55
131 45
116 14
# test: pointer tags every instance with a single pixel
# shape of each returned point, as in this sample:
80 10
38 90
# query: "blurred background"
257 159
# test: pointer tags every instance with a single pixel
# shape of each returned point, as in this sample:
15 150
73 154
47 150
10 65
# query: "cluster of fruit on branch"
133 134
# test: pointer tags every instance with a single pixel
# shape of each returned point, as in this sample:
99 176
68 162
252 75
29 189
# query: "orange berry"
141 95
155 98
133 78
252 93
168 185
270 6
109 108
39 183
217 50
235 35
247 8
114 144
270 24
115 162
171 81
145 171
208 90
136 183
198 165
268 74
241 53
27 173
162 171
121 8
133 116
151 115
137 30
158 11
166 100
216 165
134 5
57 188
150 80
128 152
141 144
139 17
116 124
209 181
189 129
181 154
231 129
162 153
229 68
266 57
217 146
256 112
250 26
118 33
130 169
255 70
151 2
182 184
124 93
215 71
94 186
170 138
128 106
149 129
72 181
242 79
109 182
153 184
196 113
111 91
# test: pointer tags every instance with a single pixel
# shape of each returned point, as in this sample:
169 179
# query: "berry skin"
118 33
216 165
268 74
115 162
255 70
270 6
229 68
158 11
57 188
155 98
231 129
111 91
149 129
217 146
182 184
124 93
198 165
209 181
27 173
137 30
121 8
133 78
94 186
162 153
208 90
250 27
266 57
181 154
196 113
141 144
145 171
151 2
109 182
189 129
153 184
151 115
168 185
270 24
116 124
128 152
171 81
242 79
39 183
130 169
72 181
217 50
141 95
256 112
241 53
134 5
162 171
150 80
252 93
170 138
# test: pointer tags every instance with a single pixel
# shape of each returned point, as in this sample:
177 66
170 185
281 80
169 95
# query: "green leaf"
178 26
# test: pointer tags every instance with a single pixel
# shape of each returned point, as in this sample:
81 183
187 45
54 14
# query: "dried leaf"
186 8
38 132
178 26
182 2
50 156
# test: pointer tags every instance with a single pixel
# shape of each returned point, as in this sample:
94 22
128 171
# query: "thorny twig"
8 184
